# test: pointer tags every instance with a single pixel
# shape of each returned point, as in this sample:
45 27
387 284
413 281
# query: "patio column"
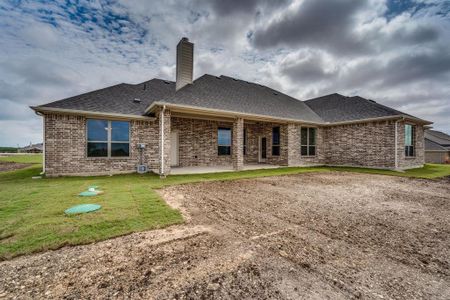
238 144
164 142
293 145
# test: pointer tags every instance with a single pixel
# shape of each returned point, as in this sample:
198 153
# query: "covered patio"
196 143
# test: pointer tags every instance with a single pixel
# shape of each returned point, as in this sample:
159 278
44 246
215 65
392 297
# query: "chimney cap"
184 39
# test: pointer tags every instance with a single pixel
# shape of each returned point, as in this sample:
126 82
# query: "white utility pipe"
162 140
396 142
43 141
43 144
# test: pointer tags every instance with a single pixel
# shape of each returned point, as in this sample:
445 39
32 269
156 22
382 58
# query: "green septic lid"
82 208
87 194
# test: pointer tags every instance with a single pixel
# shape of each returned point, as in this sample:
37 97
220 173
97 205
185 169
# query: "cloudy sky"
395 52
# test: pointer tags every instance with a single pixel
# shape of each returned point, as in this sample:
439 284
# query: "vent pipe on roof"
185 63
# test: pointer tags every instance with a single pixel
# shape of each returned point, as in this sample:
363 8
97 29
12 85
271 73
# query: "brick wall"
198 142
294 151
368 144
65 148
260 129
365 144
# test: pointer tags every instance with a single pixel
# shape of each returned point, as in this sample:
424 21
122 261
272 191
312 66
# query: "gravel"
311 236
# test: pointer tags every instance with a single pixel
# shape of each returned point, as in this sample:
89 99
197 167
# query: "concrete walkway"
217 169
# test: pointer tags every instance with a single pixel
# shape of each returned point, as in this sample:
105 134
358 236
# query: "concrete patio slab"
217 169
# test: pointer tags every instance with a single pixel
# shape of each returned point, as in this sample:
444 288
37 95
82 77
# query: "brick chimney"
185 63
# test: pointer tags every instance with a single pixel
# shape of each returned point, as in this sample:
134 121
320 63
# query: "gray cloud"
343 27
227 8
307 67
418 66
319 23
304 48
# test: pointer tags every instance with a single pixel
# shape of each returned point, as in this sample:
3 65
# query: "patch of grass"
429 171
26 158
32 210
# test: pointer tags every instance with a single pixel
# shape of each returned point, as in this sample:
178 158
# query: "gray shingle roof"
226 93
430 145
339 108
119 98
438 137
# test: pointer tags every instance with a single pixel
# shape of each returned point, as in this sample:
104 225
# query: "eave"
211 112
255 117
94 114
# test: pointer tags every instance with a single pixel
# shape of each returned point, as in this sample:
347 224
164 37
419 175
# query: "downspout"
396 146
161 173
43 141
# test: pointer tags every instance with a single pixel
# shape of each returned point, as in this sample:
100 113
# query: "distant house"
221 121
437 147
32 148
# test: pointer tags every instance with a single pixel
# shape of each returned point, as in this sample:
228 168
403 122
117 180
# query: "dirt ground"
308 236
11 166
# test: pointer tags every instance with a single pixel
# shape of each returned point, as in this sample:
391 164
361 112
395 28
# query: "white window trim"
109 141
307 141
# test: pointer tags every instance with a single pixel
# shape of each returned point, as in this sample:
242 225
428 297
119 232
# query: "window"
276 141
308 141
245 141
410 132
108 138
224 141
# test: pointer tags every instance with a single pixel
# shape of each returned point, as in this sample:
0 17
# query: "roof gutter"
386 118
212 111
43 110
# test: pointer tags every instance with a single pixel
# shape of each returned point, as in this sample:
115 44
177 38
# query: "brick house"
221 121
437 147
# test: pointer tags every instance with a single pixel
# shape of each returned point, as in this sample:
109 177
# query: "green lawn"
26 158
32 210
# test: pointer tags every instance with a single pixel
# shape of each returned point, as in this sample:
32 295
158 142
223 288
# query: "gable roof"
118 99
223 94
234 95
338 108
438 137
432 146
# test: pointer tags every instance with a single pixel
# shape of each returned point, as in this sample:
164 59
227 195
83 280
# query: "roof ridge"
147 81
276 92
320 97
